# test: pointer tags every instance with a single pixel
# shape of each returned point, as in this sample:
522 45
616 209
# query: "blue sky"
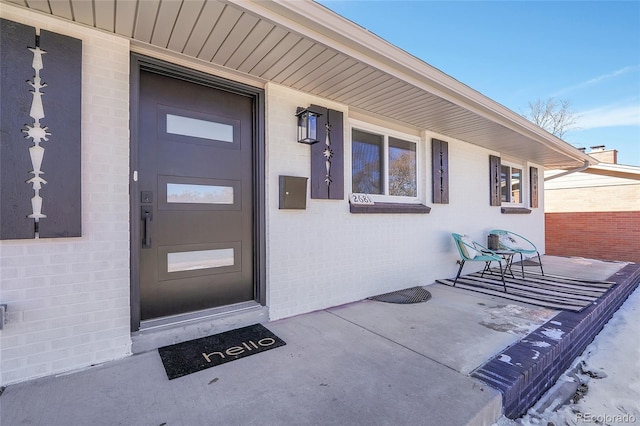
519 51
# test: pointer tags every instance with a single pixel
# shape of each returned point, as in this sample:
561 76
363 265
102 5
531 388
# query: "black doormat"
406 296
195 355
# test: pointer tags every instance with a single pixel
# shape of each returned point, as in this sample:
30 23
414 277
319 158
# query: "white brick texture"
325 256
68 299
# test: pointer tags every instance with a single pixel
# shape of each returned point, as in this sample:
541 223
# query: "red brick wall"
594 235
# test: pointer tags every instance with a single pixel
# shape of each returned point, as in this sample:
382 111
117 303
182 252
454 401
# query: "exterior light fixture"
307 126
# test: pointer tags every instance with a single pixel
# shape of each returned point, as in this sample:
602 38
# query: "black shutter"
63 74
533 179
494 181
327 161
15 104
440 171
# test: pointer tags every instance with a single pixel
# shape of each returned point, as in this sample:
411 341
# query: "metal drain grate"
408 295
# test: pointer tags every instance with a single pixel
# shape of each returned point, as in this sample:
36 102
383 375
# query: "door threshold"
165 331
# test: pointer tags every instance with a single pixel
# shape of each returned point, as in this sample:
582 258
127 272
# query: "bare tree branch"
555 116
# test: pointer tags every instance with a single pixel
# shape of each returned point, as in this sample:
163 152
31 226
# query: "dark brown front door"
195 189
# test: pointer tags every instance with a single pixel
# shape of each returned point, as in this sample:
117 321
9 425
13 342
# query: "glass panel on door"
193 127
201 259
199 194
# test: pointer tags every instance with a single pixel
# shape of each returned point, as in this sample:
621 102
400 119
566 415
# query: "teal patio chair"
516 243
471 251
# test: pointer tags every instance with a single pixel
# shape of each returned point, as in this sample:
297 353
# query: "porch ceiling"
325 55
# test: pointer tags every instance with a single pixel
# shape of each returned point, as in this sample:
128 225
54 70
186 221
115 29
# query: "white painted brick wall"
68 299
325 256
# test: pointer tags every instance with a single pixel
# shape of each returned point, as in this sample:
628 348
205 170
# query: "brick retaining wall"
594 235
526 370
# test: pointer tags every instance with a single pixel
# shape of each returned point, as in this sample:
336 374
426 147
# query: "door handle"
146 213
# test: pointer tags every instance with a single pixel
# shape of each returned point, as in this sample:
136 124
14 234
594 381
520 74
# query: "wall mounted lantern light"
307 126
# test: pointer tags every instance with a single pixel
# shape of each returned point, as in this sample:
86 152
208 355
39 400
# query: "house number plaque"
361 199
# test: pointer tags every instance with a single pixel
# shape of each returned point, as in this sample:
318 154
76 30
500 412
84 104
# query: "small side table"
507 256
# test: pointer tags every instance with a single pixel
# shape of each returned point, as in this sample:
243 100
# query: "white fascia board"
618 170
318 23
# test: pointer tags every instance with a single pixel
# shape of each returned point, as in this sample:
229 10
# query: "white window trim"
387 132
524 183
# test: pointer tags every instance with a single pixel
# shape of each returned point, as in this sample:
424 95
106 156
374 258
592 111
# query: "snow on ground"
603 383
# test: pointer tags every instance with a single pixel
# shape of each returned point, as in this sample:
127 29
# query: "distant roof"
616 170
600 175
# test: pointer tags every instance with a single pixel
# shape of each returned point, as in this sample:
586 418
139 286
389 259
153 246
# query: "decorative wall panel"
440 171
327 156
40 171
533 179
494 181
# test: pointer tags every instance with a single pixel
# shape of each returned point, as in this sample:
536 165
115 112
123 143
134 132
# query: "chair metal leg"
502 272
540 263
522 264
461 262
487 268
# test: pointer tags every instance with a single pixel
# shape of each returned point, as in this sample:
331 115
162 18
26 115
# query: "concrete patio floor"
367 362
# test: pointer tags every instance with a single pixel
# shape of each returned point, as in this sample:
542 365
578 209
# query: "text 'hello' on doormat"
195 355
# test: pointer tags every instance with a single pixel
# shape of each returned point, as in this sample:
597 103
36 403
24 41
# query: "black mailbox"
293 192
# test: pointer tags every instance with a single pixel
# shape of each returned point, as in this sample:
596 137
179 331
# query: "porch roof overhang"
307 47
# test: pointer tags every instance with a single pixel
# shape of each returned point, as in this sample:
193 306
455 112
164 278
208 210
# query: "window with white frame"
511 183
384 164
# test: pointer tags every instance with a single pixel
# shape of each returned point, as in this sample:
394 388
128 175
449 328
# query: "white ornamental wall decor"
37 133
